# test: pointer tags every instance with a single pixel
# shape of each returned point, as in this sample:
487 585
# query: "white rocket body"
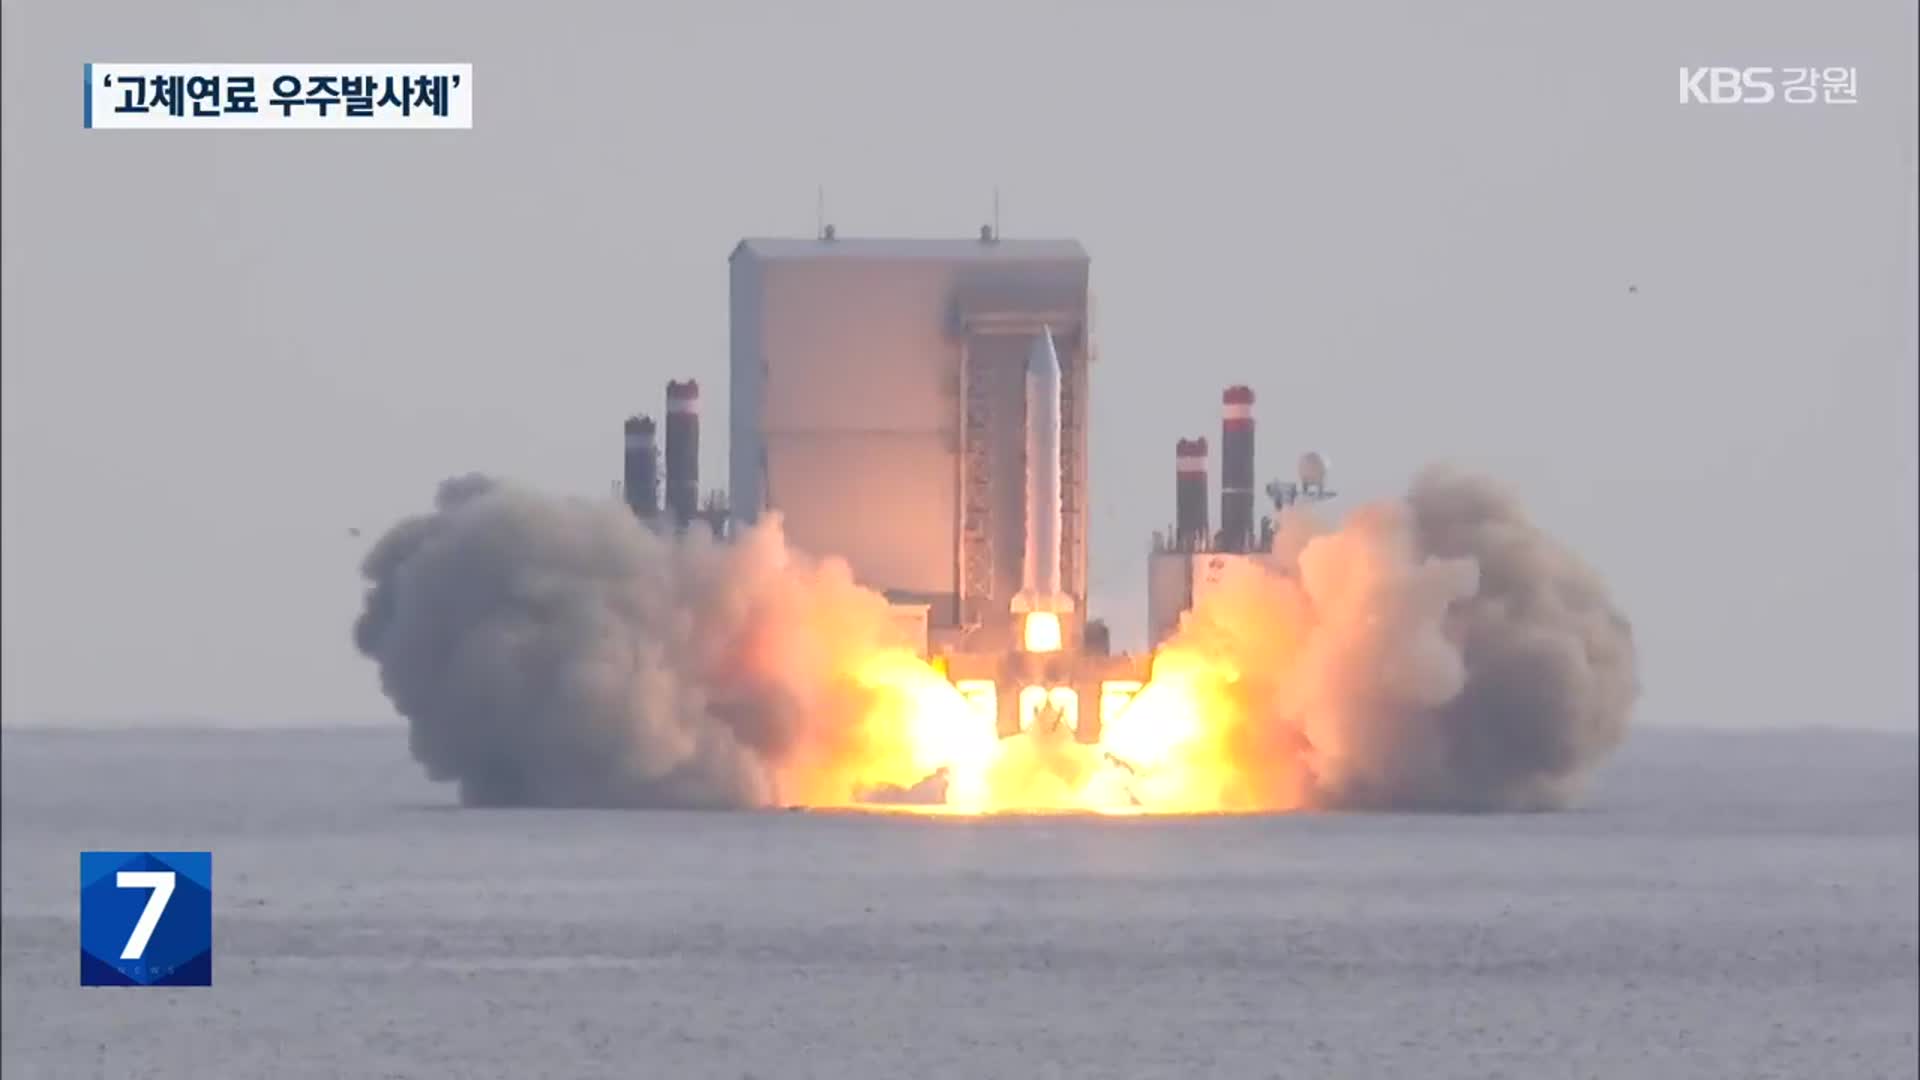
1040 584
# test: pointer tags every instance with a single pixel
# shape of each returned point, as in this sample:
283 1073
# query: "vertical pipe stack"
1236 469
683 451
1190 495
641 481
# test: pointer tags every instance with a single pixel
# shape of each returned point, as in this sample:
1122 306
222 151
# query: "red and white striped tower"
1190 495
683 451
1236 469
642 473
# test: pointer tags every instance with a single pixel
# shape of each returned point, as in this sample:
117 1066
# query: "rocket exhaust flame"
1040 632
1439 652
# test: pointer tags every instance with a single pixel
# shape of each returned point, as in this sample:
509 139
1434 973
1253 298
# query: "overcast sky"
1487 233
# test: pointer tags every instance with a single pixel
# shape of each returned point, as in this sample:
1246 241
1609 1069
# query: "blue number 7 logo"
146 918
161 882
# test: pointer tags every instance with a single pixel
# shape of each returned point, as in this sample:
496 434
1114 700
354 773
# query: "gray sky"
1411 227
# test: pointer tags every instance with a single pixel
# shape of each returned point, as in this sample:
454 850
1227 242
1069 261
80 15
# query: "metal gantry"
1072 494
976 492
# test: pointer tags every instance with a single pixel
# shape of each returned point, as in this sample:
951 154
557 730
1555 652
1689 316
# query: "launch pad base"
1030 691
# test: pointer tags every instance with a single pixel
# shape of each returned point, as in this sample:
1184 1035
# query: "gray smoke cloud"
1552 676
1441 652
554 652
1437 652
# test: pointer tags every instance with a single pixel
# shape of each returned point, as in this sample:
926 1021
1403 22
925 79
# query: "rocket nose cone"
1041 359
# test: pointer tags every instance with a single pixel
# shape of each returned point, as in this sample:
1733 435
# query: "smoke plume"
552 651
1437 652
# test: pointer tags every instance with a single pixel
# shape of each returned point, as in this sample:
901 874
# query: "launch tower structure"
879 404
919 408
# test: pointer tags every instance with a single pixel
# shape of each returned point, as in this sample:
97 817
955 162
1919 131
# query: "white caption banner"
293 96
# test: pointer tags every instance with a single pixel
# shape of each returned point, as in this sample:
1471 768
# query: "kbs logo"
146 918
1726 86
1758 86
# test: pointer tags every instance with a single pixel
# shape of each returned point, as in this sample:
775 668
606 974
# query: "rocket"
1040 586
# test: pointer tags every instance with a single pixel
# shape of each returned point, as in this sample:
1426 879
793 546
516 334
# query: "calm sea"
1718 906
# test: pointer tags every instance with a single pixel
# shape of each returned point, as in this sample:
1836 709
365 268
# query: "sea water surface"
1717 906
